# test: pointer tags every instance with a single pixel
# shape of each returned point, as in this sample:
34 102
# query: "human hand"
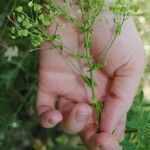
126 61
116 83
57 78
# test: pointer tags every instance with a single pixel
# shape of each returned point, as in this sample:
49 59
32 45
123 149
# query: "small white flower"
14 125
11 52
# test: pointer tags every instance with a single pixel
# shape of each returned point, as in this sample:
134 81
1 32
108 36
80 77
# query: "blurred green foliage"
19 127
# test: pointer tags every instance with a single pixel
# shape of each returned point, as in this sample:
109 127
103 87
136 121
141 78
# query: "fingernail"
50 121
81 117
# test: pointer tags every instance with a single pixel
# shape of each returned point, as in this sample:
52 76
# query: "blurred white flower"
15 124
11 52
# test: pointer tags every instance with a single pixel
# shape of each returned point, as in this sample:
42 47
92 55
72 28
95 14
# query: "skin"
117 83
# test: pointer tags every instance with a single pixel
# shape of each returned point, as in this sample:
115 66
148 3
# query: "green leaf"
78 12
19 19
23 33
88 81
97 66
82 56
27 24
47 19
30 4
147 125
37 40
19 9
37 7
127 145
145 117
139 98
65 8
98 106
13 30
133 124
140 135
117 29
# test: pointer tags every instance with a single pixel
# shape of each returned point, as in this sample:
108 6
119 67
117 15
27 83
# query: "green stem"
105 51
95 101
65 15
90 61
88 21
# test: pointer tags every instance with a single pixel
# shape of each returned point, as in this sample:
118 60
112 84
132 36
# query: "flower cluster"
126 8
31 24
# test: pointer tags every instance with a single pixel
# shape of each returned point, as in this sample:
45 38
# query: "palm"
61 78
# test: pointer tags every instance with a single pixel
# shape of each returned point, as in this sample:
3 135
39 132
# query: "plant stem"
105 50
95 101
90 61
88 18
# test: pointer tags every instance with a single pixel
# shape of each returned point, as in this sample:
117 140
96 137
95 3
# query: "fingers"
45 106
105 141
121 95
75 115
120 129
51 84
88 133
50 118
101 141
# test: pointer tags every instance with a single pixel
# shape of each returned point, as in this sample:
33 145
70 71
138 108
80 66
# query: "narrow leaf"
88 81
127 145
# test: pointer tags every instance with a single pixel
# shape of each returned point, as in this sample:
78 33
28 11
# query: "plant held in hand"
32 21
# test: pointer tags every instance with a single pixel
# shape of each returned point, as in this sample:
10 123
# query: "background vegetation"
19 127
